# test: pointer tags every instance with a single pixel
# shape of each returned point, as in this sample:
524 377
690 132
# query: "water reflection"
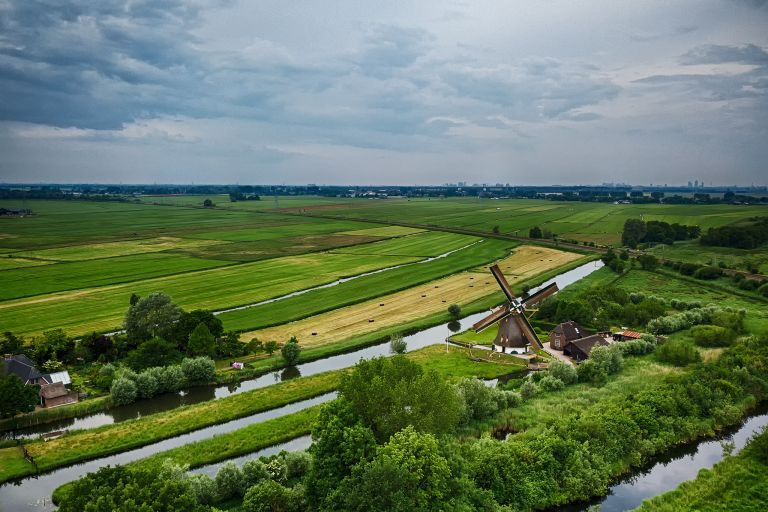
289 373
454 326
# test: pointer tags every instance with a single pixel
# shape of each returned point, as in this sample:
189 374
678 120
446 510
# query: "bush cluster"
128 386
704 315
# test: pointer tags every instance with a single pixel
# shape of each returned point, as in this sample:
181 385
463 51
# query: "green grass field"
598 222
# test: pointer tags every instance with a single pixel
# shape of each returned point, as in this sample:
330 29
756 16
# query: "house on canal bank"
53 385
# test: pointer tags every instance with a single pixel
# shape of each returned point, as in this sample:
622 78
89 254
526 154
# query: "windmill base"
510 350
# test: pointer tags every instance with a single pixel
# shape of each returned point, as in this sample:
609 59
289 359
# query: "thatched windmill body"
515 332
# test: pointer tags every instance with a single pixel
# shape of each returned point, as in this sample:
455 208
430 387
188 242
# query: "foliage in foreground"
371 452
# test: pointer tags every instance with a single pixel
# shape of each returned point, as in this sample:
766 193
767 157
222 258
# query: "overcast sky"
395 92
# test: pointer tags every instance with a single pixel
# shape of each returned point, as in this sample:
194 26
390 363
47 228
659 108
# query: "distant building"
581 348
566 333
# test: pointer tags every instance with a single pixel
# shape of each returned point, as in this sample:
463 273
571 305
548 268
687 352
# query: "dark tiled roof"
572 330
586 345
21 366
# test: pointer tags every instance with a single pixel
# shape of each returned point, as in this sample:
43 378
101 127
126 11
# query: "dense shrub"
712 336
146 385
688 269
198 369
278 470
563 371
591 372
480 401
203 488
297 464
123 391
529 389
609 358
678 353
229 481
708 273
550 383
269 496
254 471
636 347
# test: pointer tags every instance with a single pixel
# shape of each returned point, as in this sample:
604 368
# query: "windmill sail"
496 271
495 316
541 295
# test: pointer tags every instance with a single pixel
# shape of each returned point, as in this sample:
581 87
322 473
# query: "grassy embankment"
78 446
736 483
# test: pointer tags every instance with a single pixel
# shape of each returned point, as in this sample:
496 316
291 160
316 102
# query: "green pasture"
30 281
9 262
692 251
599 222
103 308
425 244
73 223
359 290
82 310
113 249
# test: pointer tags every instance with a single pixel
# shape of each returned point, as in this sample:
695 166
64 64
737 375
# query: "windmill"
515 332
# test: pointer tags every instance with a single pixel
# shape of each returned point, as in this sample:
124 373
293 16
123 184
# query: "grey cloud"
720 54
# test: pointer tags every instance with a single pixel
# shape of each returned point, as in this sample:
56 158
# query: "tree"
201 342
455 311
17 397
154 315
208 203
408 473
153 352
11 344
339 441
190 320
496 229
397 345
388 394
535 232
648 261
634 233
270 347
291 351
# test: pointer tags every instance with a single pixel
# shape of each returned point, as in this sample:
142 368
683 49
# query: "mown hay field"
415 302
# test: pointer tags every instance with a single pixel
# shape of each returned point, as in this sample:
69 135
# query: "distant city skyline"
411 93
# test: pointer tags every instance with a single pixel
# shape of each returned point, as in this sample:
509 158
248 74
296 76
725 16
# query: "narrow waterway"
34 493
204 393
672 468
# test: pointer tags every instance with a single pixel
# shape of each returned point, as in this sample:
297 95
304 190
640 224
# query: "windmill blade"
495 316
541 295
527 329
496 271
